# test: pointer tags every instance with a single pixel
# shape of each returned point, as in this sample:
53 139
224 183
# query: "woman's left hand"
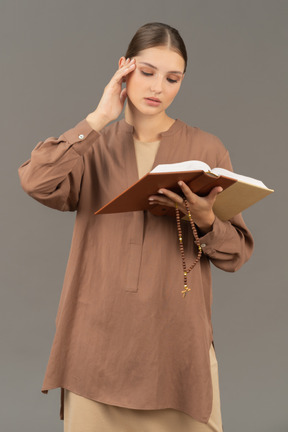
201 208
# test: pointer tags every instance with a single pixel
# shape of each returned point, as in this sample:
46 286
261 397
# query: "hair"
157 34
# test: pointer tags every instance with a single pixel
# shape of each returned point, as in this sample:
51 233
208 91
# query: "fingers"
176 198
191 197
165 201
168 202
167 197
127 67
127 62
214 192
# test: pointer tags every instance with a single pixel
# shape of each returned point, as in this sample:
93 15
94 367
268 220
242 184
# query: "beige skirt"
85 415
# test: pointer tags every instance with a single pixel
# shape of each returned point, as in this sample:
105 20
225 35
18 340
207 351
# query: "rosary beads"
185 270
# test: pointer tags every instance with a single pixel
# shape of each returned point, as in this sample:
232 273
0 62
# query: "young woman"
130 351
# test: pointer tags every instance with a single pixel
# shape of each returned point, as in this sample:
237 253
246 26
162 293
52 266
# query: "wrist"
97 120
205 223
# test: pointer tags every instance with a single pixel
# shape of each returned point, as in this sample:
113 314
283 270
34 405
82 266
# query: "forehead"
163 58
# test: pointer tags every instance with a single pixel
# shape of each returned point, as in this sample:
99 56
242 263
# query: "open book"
239 192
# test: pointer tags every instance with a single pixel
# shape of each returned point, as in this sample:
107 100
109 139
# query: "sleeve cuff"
211 241
81 136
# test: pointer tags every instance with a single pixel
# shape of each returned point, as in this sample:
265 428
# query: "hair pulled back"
157 34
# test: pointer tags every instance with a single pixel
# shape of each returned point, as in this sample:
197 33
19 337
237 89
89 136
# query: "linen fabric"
125 336
85 415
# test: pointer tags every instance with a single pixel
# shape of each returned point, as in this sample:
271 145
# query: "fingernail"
151 199
160 191
180 183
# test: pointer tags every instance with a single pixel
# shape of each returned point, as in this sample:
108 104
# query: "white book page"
245 179
192 165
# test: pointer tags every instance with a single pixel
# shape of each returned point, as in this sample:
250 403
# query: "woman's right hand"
112 101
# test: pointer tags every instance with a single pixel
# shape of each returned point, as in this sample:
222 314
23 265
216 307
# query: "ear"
121 61
120 64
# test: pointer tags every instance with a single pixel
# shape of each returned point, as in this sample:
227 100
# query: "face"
155 81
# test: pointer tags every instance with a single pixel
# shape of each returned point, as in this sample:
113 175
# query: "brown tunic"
124 334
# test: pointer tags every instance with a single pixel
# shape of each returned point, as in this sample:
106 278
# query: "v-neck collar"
161 155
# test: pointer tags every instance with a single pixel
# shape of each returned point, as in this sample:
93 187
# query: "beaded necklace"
185 270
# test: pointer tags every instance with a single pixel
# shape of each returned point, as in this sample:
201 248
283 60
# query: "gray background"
56 58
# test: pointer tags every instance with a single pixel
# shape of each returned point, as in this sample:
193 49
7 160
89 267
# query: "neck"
147 128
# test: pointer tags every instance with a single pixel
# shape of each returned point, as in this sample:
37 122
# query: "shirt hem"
63 387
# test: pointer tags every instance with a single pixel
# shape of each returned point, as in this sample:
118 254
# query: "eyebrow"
154 67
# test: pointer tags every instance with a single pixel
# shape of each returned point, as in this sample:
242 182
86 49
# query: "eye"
172 81
146 73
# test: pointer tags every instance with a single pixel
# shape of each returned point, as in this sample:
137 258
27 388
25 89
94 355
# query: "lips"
153 99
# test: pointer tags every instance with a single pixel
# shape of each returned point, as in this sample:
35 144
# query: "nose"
156 84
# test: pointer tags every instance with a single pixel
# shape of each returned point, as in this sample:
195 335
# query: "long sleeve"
53 174
229 244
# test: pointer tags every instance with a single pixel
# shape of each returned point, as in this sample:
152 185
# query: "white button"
81 136
203 245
